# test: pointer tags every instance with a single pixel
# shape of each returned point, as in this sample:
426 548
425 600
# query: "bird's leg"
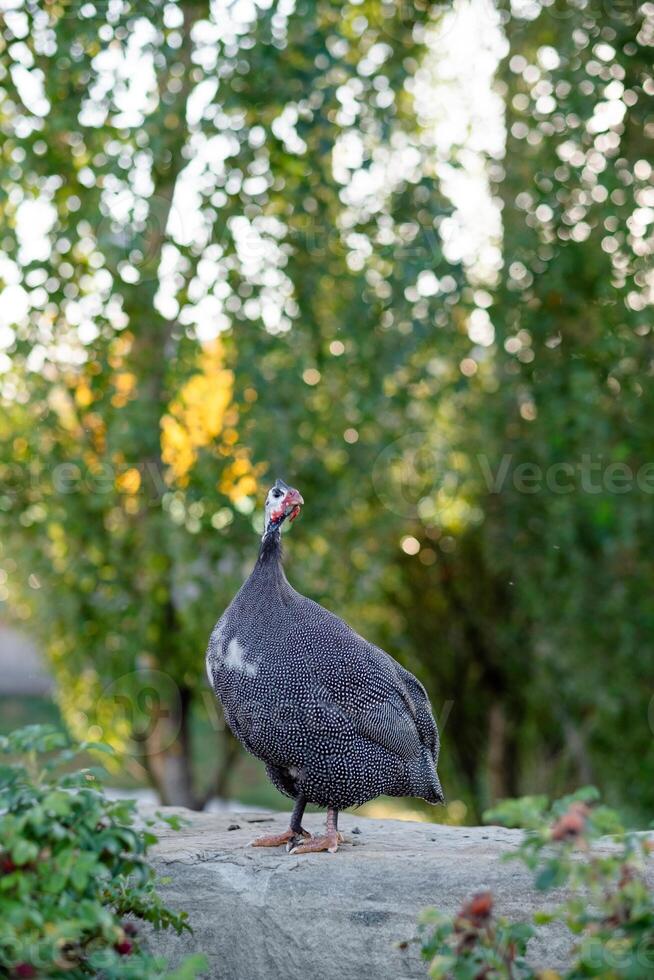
329 842
291 836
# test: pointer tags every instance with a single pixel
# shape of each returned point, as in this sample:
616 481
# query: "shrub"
75 883
608 908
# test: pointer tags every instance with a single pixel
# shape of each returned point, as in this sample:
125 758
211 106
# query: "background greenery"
77 886
606 910
242 275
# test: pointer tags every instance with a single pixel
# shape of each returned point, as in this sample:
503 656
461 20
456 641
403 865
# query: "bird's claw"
297 840
329 843
289 837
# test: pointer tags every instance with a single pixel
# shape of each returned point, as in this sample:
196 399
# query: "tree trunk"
167 753
497 762
231 752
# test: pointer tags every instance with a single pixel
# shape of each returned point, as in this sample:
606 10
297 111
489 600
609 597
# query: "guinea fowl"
335 719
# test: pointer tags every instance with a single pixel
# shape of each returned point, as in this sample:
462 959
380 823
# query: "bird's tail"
431 789
436 792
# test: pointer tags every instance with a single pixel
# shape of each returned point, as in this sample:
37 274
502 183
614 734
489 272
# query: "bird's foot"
289 837
329 842
297 839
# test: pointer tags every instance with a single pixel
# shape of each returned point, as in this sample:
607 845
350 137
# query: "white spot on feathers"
218 638
235 659
215 650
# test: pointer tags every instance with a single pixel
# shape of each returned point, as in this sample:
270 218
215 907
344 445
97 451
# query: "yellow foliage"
384 809
62 405
125 383
132 505
234 486
120 348
129 481
203 415
83 394
240 467
396 809
95 424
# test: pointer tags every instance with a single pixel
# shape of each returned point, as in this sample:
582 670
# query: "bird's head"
282 502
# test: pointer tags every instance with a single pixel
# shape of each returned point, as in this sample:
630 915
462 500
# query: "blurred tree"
573 322
223 255
200 190
545 605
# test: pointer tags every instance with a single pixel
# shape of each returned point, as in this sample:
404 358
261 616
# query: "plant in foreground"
75 883
607 905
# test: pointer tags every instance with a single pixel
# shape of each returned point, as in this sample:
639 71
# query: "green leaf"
102 747
23 852
89 872
552 875
58 803
191 967
525 812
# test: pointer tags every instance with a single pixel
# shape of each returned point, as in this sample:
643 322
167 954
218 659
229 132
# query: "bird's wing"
383 701
424 716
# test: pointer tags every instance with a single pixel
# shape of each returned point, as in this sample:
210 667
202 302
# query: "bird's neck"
267 579
270 550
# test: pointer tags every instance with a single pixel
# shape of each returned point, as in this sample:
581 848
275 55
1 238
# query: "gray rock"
263 914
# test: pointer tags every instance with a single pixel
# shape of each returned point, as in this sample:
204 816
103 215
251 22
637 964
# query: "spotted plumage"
335 719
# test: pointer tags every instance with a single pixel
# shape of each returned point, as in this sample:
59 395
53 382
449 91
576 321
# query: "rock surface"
263 914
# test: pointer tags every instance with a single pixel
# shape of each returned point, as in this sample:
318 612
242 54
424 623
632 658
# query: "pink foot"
289 837
329 843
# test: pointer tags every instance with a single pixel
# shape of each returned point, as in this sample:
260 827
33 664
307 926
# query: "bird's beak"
292 503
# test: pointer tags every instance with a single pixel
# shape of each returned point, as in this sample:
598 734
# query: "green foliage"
574 344
74 877
546 595
118 556
474 943
607 905
222 203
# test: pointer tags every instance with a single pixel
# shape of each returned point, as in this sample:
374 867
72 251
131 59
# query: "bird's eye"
277 493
